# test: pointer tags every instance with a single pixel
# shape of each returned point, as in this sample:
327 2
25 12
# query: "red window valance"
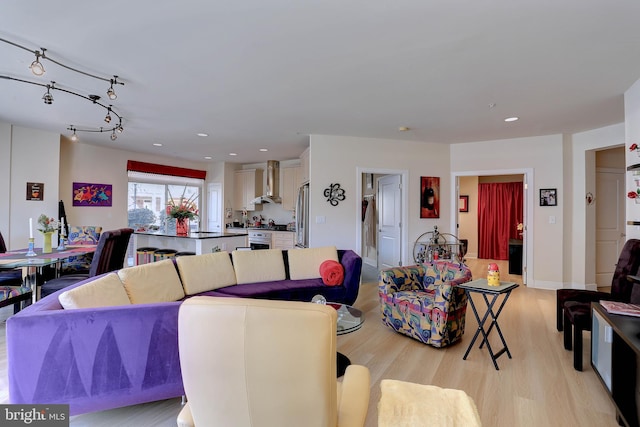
136 166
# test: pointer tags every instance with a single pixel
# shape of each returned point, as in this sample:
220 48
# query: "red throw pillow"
331 272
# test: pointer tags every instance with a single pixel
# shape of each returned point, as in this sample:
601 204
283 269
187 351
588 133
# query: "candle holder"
30 251
61 246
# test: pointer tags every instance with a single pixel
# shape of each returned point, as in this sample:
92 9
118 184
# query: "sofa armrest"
353 396
91 341
396 279
352 263
185 418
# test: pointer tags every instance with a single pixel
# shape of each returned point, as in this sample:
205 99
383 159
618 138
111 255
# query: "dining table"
36 264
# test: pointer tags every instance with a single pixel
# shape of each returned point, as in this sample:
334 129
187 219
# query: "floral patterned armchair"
424 302
81 235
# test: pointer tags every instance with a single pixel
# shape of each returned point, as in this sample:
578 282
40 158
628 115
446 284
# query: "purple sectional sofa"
101 358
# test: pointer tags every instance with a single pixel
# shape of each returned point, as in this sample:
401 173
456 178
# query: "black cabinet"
615 347
515 256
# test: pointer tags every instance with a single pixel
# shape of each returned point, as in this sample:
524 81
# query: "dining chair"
109 256
12 289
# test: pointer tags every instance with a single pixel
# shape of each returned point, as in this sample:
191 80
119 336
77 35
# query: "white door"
389 221
214 209
610 227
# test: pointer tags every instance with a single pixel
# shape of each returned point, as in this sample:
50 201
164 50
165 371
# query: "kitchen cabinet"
290 182
248 186
304 167
283 240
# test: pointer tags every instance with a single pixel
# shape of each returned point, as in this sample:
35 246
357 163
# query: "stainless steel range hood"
273 184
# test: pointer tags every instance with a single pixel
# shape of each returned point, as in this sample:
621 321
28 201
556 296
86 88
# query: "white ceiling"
268 73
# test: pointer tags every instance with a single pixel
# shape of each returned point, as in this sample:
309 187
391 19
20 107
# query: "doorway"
381 238
609 204
467 222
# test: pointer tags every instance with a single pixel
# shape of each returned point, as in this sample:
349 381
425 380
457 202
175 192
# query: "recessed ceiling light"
157 144
511 119
263 149
233 154
208 157
202 134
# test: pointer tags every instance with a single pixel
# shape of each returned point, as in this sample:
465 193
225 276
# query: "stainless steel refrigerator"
302 217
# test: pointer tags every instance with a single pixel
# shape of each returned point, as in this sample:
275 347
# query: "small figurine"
493 275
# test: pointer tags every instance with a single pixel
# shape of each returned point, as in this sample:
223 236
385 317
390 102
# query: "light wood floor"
538 387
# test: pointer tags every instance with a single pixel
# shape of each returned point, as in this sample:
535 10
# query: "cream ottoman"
404 404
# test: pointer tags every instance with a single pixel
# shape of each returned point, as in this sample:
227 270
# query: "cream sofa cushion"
201 273
105 291
152 283
264 265
305 263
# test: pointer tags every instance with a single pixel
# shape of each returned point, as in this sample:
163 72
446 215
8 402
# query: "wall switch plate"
321 219
552 219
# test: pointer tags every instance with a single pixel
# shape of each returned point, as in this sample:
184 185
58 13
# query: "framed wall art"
429 197
548 197
463 204
35 191
85 194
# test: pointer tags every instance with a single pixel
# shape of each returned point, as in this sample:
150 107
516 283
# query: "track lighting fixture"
36 66
47 97
110 92
37 69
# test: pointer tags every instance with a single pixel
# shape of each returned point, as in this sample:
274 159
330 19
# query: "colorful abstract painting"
85 194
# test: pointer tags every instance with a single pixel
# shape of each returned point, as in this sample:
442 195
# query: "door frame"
404 232
528 200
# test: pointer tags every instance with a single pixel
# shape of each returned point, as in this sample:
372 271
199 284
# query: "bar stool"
184 253
161 254
145 255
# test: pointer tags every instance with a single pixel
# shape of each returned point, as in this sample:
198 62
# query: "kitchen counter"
194 234
198 242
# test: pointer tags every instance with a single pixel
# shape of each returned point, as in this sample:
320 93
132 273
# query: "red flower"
632 195
633 146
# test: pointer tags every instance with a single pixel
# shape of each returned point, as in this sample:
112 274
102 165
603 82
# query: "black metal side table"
481 286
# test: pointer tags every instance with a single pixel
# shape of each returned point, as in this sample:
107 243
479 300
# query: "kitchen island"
200 242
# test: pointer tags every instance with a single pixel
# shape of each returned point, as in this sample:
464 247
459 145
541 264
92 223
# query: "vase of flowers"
182 210
47 226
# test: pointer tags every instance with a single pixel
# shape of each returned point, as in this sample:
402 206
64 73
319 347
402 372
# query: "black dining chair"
12 290
109 256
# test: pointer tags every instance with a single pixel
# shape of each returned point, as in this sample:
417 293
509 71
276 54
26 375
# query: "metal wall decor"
334 194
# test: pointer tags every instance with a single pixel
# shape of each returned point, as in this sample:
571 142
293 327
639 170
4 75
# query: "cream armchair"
250 362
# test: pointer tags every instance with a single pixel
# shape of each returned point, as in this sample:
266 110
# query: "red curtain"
499 213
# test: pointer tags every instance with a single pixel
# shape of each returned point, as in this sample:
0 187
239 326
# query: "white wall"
582 227
95 164
5 179
335 159
544 155
34 157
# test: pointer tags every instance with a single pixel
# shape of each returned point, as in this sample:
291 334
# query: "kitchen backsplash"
269 211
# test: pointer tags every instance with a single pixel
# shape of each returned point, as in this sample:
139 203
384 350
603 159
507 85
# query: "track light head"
36 66
113 135
107 118
47 97
110 92
74 135
119 128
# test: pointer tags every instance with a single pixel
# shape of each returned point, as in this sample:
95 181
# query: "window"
149 195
